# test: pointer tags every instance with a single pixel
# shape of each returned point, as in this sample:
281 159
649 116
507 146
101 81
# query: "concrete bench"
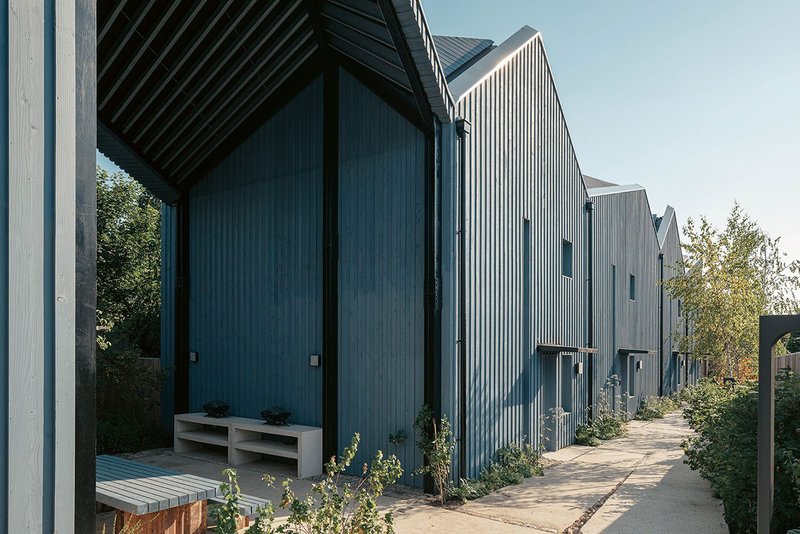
241 440
153 500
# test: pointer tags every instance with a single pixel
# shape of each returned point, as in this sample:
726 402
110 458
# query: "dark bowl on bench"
216 408
275 415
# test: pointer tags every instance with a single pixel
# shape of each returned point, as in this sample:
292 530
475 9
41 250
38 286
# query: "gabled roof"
457 53
665 221
592 182
491 61
613 190
180 86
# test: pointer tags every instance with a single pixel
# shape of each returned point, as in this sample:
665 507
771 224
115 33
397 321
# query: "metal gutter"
462 129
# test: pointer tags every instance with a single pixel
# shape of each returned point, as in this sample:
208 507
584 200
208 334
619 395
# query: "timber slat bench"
245 440
155 499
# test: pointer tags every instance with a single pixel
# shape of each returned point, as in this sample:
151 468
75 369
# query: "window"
567 386
566 258
632 288
679 309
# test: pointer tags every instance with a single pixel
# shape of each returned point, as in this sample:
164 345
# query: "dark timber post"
85 262
182 307
771 329
330 265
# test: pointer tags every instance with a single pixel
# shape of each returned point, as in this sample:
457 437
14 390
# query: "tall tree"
128 263
729 278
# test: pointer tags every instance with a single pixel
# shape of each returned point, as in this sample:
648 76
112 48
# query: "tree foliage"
728 278
128 308
128 263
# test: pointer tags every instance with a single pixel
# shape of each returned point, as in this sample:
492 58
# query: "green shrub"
724 449
512 464
437 444
606 422
656 408
341 508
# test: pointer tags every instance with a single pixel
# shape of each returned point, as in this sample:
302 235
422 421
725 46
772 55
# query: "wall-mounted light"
639 365
579 368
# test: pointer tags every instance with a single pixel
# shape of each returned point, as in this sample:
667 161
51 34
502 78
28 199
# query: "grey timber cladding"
256 269
520 166
625 244
673 325
381 282
39 159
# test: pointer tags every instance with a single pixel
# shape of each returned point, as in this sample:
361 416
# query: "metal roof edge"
613 190
666 221
488 64
419 40
126 159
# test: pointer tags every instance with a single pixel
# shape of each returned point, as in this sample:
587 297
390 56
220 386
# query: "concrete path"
631 485
639 483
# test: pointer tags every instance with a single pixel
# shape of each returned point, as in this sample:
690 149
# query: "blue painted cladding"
381 282
168 251
625 243
256 269
520 165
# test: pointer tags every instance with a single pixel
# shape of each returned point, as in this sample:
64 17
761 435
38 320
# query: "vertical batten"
26 258
65 123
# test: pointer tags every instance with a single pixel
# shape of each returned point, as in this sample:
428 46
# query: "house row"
502 286
360 218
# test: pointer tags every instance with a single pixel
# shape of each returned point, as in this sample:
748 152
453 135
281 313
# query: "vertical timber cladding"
256 268
625 244
671 250
380 283
520 165
47 244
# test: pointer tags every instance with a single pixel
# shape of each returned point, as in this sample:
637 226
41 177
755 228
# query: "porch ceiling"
179 85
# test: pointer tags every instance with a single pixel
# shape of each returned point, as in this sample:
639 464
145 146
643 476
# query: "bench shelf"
246 440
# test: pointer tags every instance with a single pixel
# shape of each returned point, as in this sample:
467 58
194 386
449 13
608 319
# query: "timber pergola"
180 86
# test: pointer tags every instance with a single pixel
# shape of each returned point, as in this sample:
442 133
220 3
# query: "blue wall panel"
256 269
381 240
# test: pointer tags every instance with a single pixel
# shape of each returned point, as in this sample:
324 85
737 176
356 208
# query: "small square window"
632 288
566 258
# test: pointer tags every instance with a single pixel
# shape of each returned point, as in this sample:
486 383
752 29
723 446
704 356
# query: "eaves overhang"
180 86
632 350
558 348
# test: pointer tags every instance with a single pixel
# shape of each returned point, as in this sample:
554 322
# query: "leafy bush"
127 398
437 447
656 408
607 422
724 451
512 465
341 508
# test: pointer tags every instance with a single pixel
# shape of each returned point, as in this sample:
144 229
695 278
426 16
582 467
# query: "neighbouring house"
360 218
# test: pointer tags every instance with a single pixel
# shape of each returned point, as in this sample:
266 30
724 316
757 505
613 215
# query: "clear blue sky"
698 101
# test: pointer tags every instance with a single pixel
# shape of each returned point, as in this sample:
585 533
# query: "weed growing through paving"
608 418
437 445
657 407
331 506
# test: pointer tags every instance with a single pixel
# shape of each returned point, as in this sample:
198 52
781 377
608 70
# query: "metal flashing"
492 61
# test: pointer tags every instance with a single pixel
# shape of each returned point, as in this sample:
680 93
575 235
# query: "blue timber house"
339 183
